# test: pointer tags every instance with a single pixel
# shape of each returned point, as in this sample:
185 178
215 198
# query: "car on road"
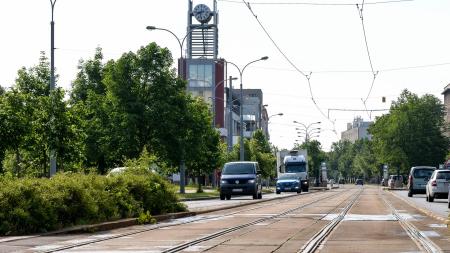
395 181
240 178
359 182
418 178
288 182
437 186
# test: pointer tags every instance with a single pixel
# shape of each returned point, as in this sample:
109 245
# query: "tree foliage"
411 134
115 110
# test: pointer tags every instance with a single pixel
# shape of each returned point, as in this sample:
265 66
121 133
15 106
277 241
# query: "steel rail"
155 227
183 246
421 240
320 236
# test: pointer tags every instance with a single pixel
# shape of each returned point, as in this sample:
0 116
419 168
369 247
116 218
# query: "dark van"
240 178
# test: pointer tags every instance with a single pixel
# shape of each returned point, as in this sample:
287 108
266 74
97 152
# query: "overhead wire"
307 76
374 73
313 3
362 71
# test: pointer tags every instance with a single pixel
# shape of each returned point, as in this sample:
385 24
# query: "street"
349 219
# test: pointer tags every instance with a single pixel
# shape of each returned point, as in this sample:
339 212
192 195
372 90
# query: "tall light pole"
180 75
278 114
52 84
307 130
230 79
241 121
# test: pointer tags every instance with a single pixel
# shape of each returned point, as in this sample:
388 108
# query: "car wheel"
228 196
222 196
260 195
278 192
306 189
255 195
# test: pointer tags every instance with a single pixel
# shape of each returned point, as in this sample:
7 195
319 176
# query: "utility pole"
230 115
52 85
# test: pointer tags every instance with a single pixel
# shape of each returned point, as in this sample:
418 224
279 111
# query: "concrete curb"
425 211
100 226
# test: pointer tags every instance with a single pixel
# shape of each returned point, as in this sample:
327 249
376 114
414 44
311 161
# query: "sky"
408 47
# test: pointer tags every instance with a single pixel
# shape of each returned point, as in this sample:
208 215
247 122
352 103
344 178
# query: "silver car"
437 186
418 178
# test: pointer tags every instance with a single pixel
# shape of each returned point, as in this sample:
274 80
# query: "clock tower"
204 72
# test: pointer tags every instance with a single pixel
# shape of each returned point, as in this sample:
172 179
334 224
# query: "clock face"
202 13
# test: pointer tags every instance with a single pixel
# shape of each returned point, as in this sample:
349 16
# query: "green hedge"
37 205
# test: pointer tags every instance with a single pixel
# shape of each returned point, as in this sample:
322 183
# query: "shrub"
32 205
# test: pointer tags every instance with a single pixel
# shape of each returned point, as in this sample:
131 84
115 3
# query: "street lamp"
307 130
241 121
278 114
180 75
52 84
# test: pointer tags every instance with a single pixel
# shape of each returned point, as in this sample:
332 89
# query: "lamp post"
52 84
241 120
230 79
180 43
308 132
278 114
180 75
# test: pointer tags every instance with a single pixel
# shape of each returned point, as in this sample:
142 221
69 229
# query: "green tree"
411 134
203 155
260 151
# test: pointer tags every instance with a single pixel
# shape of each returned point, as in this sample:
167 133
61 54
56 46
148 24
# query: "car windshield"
238 168
443 175
423 173
295 167
288 176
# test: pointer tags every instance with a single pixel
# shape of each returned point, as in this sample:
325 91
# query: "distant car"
240 178
395 181
117 171
288 182
437 186
359 182
418 178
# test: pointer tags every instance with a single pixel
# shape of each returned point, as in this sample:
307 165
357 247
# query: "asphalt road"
439 206
201 205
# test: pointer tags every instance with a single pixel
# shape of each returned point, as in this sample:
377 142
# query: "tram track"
320 236
422 241
185 245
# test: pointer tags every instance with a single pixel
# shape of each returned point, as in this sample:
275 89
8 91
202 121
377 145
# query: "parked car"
418 178
288 182
437 186
359 182
240 178
395 181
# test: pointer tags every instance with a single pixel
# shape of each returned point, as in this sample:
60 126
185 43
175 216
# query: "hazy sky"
409 46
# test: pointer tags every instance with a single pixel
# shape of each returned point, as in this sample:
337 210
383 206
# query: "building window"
200 75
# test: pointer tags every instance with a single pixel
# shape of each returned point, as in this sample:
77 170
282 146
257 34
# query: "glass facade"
200 75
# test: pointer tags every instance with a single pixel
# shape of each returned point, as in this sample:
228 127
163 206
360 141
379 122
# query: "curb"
425 211
101 226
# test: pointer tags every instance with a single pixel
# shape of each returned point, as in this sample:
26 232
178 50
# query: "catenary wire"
374 73
312 3
307 76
